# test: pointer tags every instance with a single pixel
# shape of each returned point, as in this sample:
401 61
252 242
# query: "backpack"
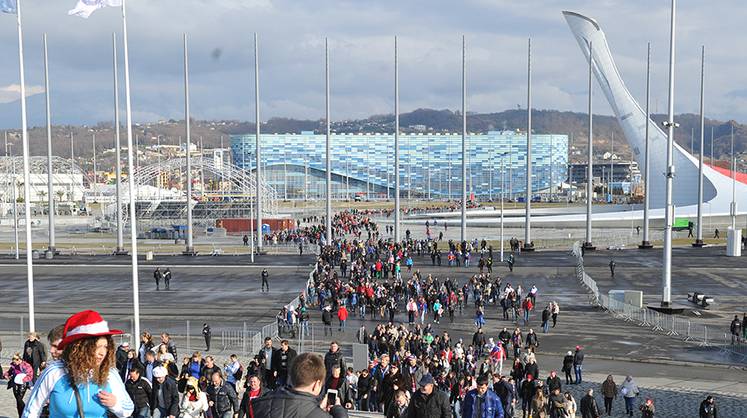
239 373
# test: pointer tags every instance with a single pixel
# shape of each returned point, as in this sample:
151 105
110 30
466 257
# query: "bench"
700 299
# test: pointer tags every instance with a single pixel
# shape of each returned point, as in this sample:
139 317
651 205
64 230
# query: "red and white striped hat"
85 324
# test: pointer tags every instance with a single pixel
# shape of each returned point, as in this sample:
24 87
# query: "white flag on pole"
84 8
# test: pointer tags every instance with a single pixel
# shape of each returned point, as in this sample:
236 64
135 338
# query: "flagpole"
666 277
258 148
131 182
645 244
588 246
328 220
189 250
95 186
26 175
699 234
463 229
528 245
120 250
50 184
396 146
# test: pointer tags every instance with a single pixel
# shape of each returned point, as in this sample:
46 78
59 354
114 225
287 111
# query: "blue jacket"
491 406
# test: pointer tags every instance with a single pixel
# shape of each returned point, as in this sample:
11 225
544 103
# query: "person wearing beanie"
165 394
85 381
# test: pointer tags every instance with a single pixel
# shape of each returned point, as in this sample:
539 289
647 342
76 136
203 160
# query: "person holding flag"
497 355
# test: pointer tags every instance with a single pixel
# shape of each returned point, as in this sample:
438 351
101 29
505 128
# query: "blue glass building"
294 164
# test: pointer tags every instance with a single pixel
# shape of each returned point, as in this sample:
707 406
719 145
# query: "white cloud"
12 92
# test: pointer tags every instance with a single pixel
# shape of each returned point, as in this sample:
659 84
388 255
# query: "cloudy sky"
361 38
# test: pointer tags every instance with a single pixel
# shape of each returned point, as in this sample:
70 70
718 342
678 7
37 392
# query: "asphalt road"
223 291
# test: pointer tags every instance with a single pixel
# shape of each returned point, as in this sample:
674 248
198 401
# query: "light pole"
189 248
463 230
502 197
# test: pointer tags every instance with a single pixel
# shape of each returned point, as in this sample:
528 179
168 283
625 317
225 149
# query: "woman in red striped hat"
84 382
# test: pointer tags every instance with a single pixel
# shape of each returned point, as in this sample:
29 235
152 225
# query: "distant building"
430 164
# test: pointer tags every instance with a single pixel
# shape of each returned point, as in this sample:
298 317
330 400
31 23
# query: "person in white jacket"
629 391
194 403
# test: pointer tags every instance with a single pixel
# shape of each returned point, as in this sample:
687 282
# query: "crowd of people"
416 368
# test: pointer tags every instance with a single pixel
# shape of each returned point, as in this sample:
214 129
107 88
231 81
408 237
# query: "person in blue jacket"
482 402
84 382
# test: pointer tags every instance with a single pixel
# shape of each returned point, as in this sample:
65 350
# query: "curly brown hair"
80 360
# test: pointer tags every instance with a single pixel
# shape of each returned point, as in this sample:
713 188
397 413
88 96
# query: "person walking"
736 329
265 282
708 408
342 316
222 398
19 376
300 400
629 391
428 401
167 278
140 392
157 276
716 234
207 334
568 367
85 371
609 392
612 268
482 402
647 409
588 406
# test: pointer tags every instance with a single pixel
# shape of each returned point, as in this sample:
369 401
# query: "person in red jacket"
527 306
342 315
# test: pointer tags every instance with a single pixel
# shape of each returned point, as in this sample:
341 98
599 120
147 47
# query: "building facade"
430 164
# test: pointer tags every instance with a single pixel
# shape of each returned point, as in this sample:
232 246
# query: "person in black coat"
366 383
140 392
568 367
708 408
34 353
428 402
588 406
334 356
166 385
281 361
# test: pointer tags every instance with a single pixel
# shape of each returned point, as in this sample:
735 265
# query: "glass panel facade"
430 164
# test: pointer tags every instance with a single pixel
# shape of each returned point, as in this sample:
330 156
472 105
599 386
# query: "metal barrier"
671 325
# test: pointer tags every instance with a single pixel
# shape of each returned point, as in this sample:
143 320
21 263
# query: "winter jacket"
491 405
609 389
140 392
34 353
288 403
588 407
224 398
435 405
170 396
629 389
330 359
578 358
708 410
193 409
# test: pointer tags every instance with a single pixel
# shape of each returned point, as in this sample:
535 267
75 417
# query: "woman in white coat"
194 404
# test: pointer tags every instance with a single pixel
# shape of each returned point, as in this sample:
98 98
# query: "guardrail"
671 325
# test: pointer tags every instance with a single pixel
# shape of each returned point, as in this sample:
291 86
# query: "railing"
671 325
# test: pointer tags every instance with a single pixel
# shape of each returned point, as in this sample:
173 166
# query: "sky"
361 37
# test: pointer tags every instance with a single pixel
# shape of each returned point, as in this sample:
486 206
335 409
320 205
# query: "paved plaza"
225 292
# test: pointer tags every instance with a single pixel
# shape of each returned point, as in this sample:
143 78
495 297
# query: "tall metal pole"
328 156
463 230
699 234
50 183
26 175
120 250
711 146
590 156
189 248
645 243
15 198
95 181
502 196
666 279
528 246
397 237
257 145
733 184
131 182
